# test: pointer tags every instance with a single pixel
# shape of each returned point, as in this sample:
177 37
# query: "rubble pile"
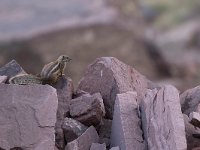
113 108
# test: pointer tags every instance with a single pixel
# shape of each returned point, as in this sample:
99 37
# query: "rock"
72 129
192 134
28 116
105 131
11 69
55 148
79 93
16 148
88 109
195 119
197 148
178 83
85 141
115 148
190 100
162 120
97 146
3 79
64 88
126 125
112 77
106 141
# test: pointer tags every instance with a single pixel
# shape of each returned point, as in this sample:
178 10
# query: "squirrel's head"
64 58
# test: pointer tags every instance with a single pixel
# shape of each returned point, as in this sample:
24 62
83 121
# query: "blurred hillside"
174 30
158 38
170 13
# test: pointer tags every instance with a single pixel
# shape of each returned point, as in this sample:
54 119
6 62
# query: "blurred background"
160 38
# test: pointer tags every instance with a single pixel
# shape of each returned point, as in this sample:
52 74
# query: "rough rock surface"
85 141
11 69
28 116
126 126
195 119
115 148
64 88
55 148
79 93
192 134
190 100
97 146
72 129
162 119
88 109
3 79
112 77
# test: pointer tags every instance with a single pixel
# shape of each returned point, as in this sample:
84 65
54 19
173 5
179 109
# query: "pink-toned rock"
11 69
126 125
28 116
197 148
195 119
85 141
64 88
88 109
162 119
115 148
55 148
97 146
190 100
3 79
72 129
79 93
109 76
192 134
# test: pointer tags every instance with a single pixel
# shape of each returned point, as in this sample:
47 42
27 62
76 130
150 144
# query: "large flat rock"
28 116
126 129
162 119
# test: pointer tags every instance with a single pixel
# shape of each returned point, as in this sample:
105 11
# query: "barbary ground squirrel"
49 74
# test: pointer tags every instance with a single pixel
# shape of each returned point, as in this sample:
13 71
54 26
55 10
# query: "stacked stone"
113 108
